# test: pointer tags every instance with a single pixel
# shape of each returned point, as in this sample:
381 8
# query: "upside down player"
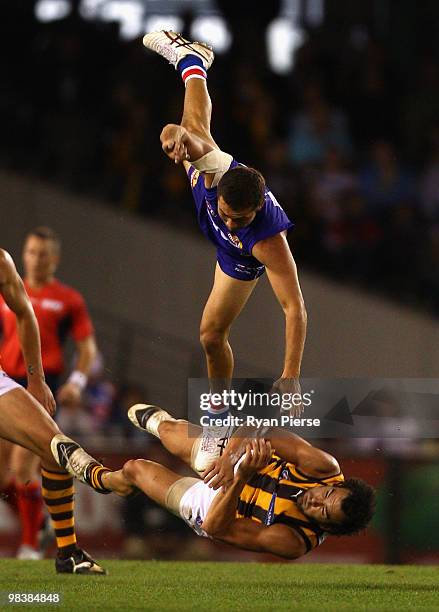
60 310
25 420
284 497
240 215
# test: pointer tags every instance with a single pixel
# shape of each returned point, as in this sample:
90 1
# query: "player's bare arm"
275 254
191 147
221 524
310 460
277 540
180 144
15 296
69 394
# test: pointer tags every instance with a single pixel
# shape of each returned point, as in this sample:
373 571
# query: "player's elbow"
167 131
292 555
208 527
211 527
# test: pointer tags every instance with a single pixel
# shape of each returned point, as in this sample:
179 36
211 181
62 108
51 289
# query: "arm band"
215 162
78 378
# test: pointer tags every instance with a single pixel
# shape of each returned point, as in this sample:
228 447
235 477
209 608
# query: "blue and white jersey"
234 250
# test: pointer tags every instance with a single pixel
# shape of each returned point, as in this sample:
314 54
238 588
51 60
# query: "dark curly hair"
242 188
358 508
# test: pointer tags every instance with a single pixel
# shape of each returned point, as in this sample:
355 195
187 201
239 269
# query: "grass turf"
161 585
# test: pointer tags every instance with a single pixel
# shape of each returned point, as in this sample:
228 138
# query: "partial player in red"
25 419
60 310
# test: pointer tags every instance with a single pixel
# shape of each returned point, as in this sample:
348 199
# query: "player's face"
323 504
235 220
40 258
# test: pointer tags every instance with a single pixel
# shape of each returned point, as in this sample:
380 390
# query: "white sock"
152 424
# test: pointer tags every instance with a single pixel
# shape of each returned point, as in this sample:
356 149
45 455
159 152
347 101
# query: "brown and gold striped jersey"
269 497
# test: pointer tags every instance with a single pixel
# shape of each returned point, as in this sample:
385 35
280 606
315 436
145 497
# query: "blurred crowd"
348 140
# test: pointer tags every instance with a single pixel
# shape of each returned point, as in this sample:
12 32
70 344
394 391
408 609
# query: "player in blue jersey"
238 213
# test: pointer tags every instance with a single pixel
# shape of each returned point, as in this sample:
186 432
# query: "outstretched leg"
197 111
226 301
177 436
25 467
192 60
35 432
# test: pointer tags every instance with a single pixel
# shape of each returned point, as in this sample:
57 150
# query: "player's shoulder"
317 464
65 291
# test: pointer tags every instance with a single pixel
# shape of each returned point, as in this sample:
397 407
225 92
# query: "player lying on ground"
284 498
240 215
25 420
60 310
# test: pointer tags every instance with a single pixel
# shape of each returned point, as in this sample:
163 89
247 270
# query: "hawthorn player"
60 311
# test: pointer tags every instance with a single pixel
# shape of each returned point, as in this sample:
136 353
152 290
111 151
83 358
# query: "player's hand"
69 394
220 473
38 388
257 455
174 142
289 387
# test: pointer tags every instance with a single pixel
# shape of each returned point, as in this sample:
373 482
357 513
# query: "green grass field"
160 585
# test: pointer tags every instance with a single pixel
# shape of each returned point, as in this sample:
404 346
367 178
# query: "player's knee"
212 340
133 468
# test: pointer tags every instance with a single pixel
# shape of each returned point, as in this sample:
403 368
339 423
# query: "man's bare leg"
25 467
226 301
177 436
148 476
35 432
197 111
25 422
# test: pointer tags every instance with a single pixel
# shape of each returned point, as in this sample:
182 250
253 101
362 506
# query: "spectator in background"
383 180
429 182
420 109
352 239
283 178
316 128
331 183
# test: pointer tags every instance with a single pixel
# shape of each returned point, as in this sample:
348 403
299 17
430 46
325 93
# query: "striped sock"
30 510
191 67
94 475
58 492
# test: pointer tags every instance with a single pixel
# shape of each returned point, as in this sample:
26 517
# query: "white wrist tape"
78 378
214 162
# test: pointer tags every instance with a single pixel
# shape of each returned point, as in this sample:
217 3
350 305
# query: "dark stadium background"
345 127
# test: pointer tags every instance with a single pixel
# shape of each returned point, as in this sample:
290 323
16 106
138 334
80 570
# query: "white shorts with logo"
195 504
191 498
7 384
